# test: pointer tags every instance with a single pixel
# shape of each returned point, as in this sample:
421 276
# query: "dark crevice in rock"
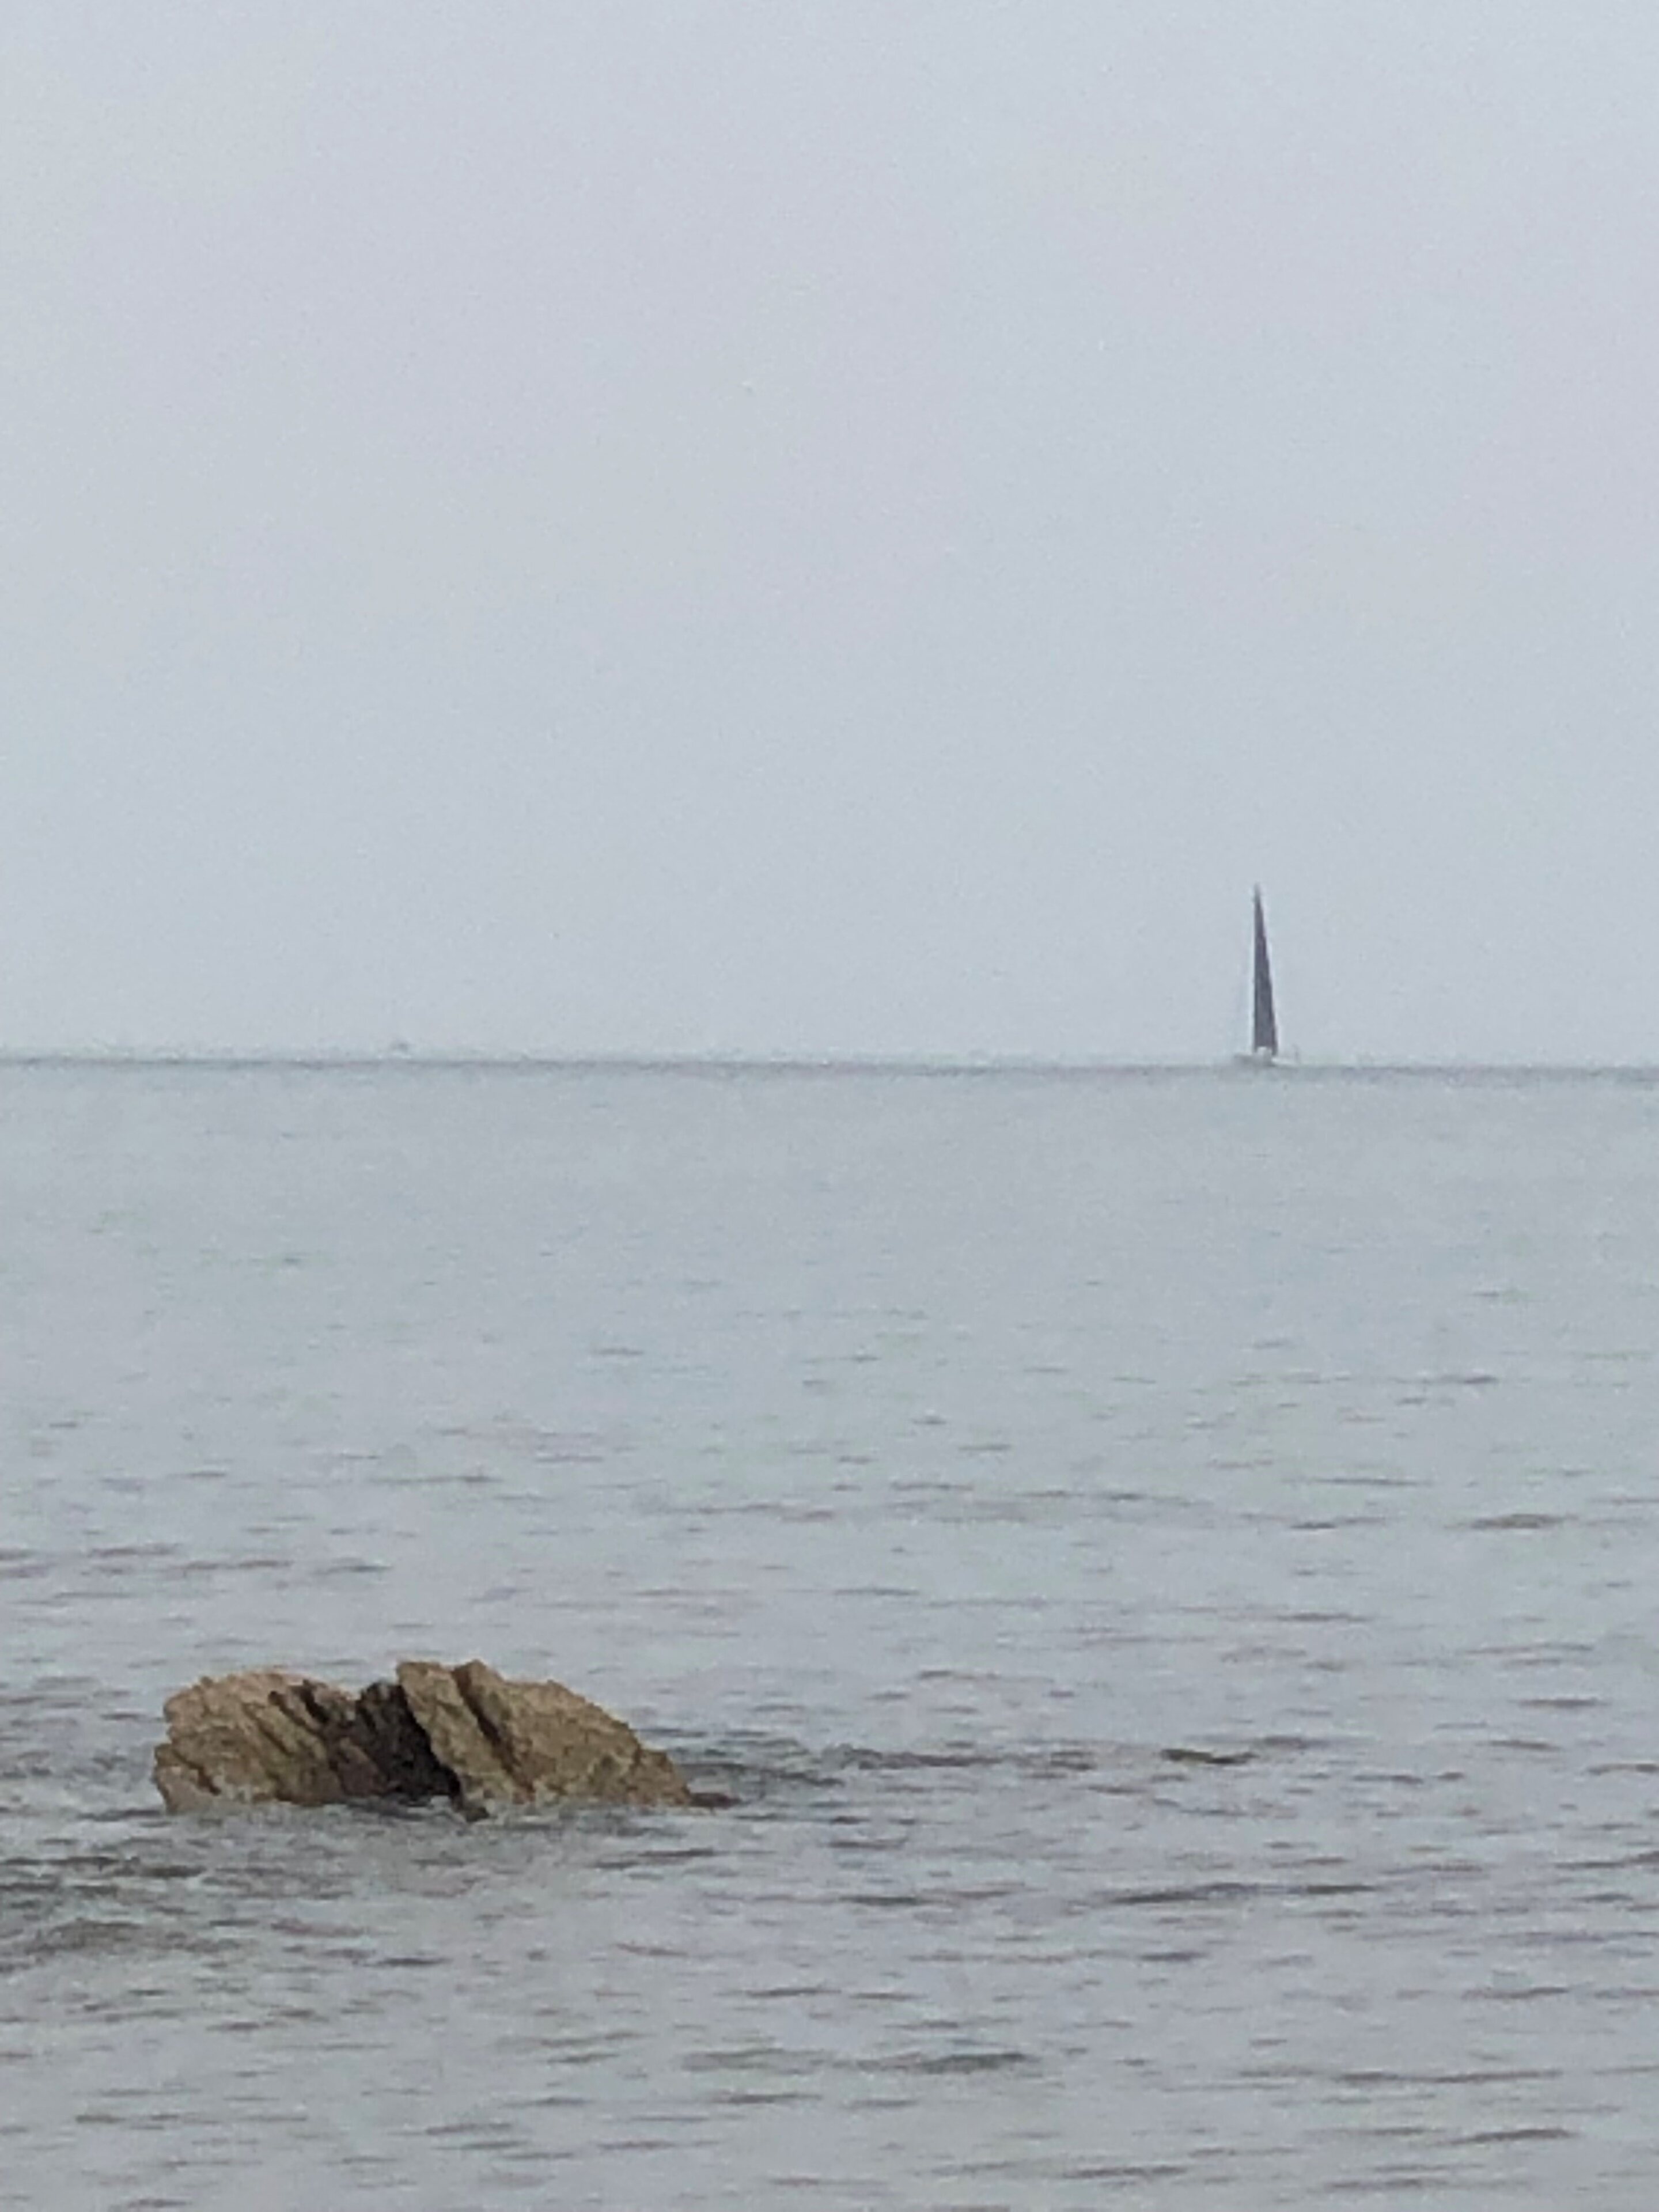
337 1716
400 1747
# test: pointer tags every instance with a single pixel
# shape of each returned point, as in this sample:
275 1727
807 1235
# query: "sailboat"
1264 1021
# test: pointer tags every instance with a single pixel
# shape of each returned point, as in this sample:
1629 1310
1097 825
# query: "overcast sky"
829 526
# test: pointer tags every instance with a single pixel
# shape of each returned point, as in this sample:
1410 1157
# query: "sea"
1162 1562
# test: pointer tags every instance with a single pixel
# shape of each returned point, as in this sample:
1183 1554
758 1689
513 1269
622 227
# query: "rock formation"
465 1732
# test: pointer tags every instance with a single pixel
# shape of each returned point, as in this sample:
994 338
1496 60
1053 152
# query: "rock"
525 1743
246 1739
268 1736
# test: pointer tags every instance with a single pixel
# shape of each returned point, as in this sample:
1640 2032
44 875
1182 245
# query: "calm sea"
1165 1563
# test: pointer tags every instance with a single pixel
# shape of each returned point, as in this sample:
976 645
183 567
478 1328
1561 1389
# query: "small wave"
751 1768
1225 1892
963 2062
959 1758
1536 2133
1130 2175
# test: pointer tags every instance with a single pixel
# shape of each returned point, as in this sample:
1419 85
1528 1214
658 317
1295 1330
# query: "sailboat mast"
1264 1023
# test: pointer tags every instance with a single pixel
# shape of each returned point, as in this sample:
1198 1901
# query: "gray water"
925 1459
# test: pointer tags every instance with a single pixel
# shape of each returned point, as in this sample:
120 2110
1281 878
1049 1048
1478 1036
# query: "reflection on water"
1163 1565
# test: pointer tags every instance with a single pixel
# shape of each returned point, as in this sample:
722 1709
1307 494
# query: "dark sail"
1264 1026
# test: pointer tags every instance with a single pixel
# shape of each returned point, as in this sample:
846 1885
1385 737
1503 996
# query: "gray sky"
829 526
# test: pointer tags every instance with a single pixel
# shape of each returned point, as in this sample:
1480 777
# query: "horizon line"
345 1058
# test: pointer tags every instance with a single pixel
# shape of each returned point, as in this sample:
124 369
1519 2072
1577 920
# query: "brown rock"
528 1743
465 1732
245 1740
